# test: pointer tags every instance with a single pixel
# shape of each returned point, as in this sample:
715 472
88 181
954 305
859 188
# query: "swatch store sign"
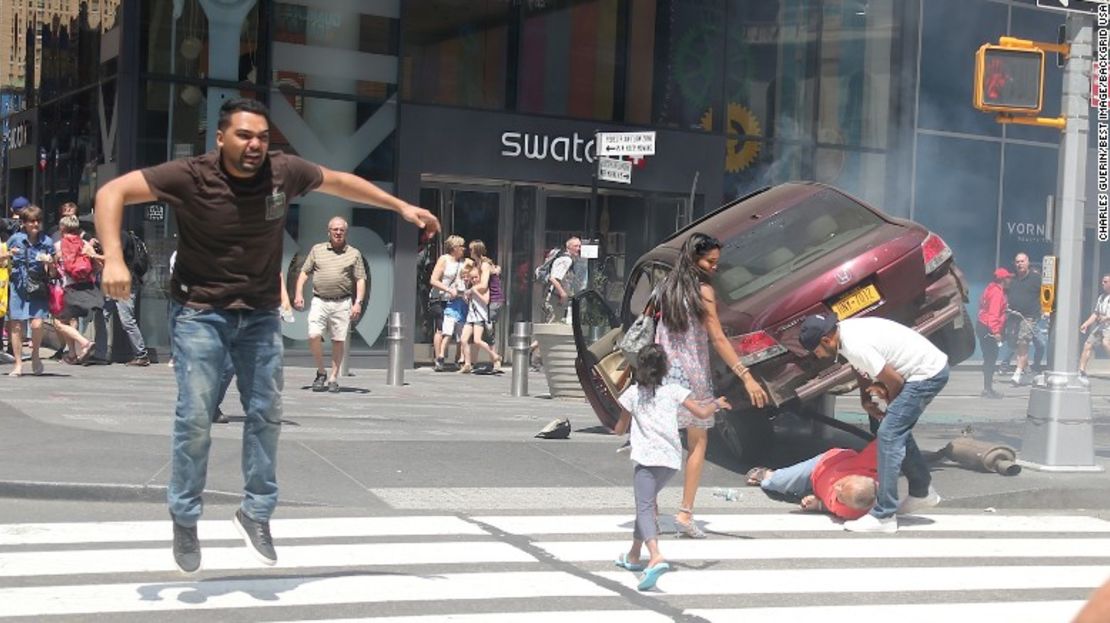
543 147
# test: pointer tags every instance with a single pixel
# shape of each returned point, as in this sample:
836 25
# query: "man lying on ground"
840 481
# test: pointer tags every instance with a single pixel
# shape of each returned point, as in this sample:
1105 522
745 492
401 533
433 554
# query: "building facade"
485 111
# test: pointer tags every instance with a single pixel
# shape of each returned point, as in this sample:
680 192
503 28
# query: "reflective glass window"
455 52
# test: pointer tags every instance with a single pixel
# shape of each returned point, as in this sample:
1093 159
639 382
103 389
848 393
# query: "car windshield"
790 240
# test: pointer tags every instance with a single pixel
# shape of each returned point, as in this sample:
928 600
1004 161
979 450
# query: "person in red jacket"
840 481
992 318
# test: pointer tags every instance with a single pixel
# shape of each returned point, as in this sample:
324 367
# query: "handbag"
35 285
57 299
639 334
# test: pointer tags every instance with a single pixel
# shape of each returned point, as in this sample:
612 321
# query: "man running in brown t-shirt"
340 276
230 206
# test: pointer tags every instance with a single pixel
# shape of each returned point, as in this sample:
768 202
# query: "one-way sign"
1075 6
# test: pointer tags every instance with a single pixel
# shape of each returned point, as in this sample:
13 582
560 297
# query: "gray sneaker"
256 534
320 383
333 387
186 548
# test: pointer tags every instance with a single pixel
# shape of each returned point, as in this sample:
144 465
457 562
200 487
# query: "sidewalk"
102 433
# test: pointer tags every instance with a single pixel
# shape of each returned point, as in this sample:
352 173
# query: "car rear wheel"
957 340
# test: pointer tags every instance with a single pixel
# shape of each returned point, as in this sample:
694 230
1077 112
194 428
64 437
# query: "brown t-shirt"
230 230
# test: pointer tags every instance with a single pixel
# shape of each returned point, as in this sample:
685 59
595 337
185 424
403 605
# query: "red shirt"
992 308
838 463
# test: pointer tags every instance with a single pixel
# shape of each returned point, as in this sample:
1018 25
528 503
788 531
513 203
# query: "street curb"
113 492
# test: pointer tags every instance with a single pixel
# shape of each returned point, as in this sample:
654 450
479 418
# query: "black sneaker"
186 548
333 387
220 417
439 364
321 382
140 362
256 534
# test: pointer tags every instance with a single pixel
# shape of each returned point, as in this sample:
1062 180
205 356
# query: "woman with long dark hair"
689 325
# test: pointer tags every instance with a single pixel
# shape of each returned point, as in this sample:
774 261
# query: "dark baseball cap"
814 328
19 203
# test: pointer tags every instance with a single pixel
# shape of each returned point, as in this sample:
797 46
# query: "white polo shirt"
871 343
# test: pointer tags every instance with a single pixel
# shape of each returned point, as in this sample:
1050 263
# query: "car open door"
601 367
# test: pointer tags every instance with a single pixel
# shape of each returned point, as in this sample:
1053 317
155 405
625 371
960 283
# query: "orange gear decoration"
740 157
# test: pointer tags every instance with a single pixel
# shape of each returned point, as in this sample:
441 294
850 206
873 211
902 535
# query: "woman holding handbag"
687 326
32 264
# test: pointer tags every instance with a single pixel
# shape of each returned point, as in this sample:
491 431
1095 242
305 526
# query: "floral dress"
688 358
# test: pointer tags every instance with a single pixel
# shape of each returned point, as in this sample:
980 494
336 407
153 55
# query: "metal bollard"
395 335
520 342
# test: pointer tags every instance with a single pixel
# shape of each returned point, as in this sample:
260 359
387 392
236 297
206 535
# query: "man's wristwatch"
358 302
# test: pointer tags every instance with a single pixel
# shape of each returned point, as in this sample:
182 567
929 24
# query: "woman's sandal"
689 530
756 475
623 562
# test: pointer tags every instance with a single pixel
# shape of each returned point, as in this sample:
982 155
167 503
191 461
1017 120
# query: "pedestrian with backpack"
79 265
557 275
137 258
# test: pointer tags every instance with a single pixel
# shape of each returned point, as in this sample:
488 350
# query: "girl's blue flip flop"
651 576
622 562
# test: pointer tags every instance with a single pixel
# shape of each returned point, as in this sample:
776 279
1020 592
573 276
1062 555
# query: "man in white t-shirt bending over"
899 366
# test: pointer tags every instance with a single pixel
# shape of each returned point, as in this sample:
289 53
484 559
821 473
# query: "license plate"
856 301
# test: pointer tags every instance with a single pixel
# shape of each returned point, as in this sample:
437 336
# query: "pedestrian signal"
1009 79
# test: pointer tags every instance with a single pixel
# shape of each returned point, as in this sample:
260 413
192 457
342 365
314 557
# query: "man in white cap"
899 366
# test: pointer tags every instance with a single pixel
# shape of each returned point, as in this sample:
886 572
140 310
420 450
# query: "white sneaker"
871 523
1083 380
1015 380
910 505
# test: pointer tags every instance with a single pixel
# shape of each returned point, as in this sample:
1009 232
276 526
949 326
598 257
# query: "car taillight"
756 347
935 252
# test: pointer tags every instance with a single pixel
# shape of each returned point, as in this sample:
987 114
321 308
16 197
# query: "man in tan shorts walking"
339 277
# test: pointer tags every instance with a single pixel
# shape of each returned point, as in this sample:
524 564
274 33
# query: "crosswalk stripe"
1010 612
82 562
286 592
846 548
557 616
798 522
138 531
871 580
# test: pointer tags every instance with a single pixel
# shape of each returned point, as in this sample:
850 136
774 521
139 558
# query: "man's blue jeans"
898 452
791 483
203 339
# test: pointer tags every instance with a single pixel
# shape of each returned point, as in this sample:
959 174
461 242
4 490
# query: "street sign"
626 143
614 170
1074 6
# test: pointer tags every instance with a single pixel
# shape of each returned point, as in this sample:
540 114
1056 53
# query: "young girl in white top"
651 409
477 319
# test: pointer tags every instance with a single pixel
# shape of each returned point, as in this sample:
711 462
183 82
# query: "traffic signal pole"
1059 435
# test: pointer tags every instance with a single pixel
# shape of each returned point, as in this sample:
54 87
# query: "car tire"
956 342
747 437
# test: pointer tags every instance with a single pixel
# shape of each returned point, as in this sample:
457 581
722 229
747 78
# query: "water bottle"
729 495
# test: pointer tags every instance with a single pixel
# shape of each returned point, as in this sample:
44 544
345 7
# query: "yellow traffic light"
1009 79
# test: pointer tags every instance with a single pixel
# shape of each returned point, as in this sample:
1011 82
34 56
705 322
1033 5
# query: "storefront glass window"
690 37
456 52
180 45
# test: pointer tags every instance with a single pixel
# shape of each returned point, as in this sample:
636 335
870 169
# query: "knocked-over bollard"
520 342
395 335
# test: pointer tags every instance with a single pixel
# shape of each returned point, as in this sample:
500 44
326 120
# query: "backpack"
542 274
139 262
77 265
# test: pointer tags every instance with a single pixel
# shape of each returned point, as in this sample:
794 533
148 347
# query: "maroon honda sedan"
788 251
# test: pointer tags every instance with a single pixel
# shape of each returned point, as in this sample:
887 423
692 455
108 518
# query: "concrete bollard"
395 335
520 342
